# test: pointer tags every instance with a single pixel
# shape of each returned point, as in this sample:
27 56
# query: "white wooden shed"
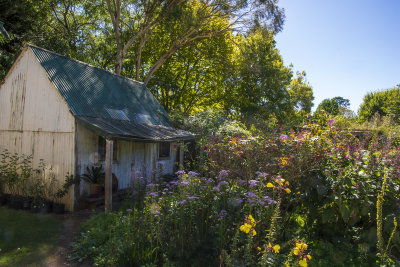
62 110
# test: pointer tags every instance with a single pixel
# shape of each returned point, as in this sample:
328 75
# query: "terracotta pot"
95 190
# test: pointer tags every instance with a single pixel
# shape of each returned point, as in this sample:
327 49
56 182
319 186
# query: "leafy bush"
261 198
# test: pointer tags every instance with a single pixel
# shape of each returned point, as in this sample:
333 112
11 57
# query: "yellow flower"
301 246
288 190
309 256
270 185
303 263
276 248
258 248
245 228
254 232
251 219
296 251
280 181
287 264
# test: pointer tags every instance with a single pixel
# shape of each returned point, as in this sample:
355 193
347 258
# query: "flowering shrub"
334 179
263 195
181 218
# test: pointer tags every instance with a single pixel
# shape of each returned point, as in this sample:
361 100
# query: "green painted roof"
98 95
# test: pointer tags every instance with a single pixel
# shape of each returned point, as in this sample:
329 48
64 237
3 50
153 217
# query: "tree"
335 106
384 103
301 93
135 21
195 77
259 84
21 19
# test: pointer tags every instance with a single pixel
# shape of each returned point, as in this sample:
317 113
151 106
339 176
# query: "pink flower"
283 137
331 122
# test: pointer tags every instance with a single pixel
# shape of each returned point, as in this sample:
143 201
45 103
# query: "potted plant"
37 189
3 197
94 177
59 207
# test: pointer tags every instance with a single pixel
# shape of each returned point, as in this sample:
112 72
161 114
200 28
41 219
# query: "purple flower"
129 210
223 174
192 197
181 202
223 183
209 181
238 201
180 173
253 183
283 137
216 189
152 194
261 174
222 215
252 198
269 200
194 174
184 183
250 194
205 147
331 122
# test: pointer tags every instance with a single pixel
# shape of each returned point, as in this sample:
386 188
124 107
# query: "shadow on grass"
26 239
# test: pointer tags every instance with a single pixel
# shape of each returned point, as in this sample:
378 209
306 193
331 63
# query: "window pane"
163 151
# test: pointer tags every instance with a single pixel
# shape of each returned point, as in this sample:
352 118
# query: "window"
102 149
163 150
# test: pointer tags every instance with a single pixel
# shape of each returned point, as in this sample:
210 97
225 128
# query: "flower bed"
305 196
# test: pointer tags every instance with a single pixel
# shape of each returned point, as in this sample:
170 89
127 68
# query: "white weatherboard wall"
35 120
133 158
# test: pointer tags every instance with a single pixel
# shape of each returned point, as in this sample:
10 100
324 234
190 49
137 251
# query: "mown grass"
25 238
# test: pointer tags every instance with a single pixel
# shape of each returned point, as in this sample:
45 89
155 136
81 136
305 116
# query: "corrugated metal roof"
122 129
107 101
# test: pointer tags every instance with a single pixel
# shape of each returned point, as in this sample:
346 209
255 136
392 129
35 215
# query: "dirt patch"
70 225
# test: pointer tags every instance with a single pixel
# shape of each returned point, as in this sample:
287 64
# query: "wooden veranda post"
181 156
108 177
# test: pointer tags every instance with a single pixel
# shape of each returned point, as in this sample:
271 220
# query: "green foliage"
301 93
384 103
19 178
321 185
26 239
258 87
94 175
335 106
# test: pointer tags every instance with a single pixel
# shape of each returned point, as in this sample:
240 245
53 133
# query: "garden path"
70 225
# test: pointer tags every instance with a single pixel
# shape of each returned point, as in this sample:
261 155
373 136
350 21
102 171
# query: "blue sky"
347 47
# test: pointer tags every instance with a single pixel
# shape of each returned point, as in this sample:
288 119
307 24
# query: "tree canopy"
384 103
192 55
334 106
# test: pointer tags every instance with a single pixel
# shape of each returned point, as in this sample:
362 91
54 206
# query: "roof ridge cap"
84 63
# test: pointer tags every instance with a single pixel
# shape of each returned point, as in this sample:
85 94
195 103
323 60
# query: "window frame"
160 149
101 149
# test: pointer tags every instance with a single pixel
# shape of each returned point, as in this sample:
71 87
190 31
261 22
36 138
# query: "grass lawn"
25 238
